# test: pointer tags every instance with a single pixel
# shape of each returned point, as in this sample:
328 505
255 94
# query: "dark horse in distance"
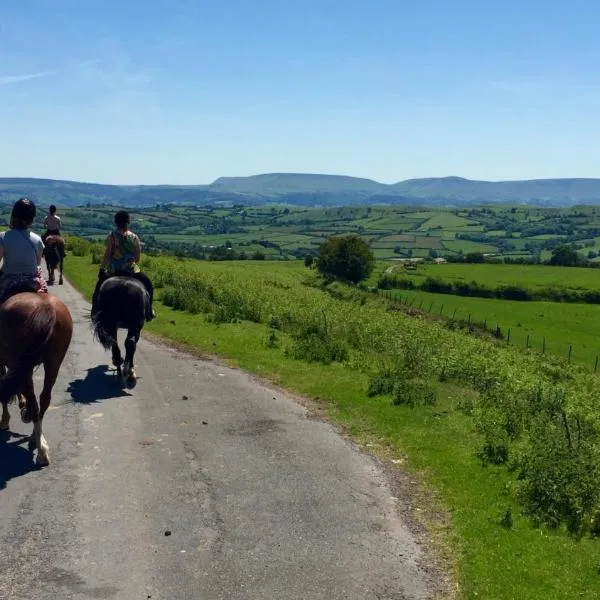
122 304
34 329
54 253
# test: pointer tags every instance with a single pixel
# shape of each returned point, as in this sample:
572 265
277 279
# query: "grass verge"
497 553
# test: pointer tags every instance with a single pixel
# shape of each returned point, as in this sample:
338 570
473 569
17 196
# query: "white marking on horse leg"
4 422
43 458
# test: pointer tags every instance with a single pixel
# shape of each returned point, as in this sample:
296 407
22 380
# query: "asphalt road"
200 483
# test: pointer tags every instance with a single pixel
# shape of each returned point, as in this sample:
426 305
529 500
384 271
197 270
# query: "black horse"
122 304
54 253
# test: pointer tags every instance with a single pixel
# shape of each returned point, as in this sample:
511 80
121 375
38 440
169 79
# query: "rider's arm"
138 250
46 222
39 252
107 252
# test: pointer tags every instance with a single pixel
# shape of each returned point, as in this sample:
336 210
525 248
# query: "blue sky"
132 91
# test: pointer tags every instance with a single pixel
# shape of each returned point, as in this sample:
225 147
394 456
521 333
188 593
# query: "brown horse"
54 253
34 329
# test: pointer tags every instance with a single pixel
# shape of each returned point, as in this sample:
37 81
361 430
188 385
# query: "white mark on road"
94 416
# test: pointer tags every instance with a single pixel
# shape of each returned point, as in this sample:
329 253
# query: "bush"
414 392
346 257
315 341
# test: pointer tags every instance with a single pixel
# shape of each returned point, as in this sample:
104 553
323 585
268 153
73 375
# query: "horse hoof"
25 416
4 425
42 461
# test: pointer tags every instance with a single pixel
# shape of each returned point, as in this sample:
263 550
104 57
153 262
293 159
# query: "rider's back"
20 251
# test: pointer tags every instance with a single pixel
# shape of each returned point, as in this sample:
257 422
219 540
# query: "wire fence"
510 335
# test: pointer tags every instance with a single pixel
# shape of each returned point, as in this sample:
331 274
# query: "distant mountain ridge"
309 190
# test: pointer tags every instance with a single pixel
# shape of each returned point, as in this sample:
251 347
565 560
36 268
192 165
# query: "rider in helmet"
122 257
21 252
51 223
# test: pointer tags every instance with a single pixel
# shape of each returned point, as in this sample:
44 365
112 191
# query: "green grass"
561 324
444 220
468 246
527 276
437 443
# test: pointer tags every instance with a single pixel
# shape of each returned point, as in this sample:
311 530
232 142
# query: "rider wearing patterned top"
21 253
122 257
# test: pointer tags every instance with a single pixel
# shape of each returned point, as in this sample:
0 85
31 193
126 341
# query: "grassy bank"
498 552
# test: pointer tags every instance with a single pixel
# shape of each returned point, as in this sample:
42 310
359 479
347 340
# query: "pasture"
345 347
526 276
395 231
550 326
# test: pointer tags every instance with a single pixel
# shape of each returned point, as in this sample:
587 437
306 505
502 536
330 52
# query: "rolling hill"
309 190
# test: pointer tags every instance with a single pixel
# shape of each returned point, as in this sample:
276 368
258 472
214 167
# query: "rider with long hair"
21 253
122 257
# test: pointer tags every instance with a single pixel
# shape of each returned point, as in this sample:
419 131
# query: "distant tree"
474 257
592 254
309 260
258 255
565 256
346 257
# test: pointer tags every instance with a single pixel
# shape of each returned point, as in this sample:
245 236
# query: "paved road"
199 483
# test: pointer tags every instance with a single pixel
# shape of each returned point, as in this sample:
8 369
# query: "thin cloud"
8 79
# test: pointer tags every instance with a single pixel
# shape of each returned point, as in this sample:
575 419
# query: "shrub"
414 392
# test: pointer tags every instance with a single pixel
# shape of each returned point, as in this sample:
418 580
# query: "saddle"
18 288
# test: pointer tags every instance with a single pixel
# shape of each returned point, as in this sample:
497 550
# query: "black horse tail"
101 332
34 336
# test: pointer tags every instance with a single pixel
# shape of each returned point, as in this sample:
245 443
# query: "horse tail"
101 332
30 345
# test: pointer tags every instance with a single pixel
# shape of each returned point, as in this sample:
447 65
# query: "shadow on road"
97 385
15 459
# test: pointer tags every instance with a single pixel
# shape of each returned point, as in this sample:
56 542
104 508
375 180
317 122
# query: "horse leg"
51 367
117 359
60 280
50 272
31 412
5 420
133 336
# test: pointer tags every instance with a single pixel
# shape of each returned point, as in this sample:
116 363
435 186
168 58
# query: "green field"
291 232
552 326
492 275
274 319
